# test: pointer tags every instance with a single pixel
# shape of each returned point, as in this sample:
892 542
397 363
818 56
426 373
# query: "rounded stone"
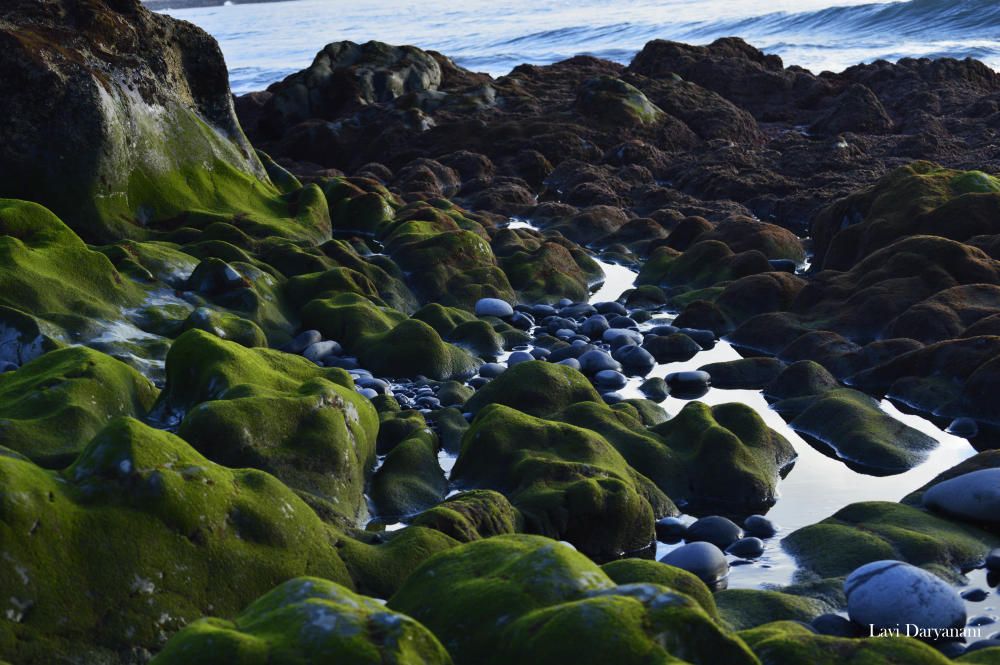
491 370
887 594
704 560
493 307
975 595
320 351
635 359
303 340
993 561
747 548
836 626
570 362
609 378
965 428
670 529
972 496
687 385
759 527
519 357
655 389
720 531
595 361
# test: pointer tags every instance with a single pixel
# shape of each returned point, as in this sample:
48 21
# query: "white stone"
894 594
493 307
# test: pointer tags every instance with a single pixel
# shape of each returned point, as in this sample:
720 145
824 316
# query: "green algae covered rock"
307 620
614 101
413 348
721 457
47 272
634 571
568 482
629 624
747 608
138 537
537 388
227 326
872 531
143 132
381 562
52 406
410 479
791 643
490 581
525 599
272 411
472 515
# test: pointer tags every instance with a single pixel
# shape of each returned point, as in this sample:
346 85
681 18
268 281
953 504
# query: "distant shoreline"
191 4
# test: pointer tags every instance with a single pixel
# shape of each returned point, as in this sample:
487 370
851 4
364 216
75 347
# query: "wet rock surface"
462 344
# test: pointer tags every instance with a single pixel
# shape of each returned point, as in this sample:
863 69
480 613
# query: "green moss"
537 388
275 412
380 563
282 179
307 620
477 337
410 478
634 571
790 643
614 101
354 209
872 531
226 326
544 270
452 267
472 515
749 608
632 624
704 264
851 425
47 271
140 536
413 348
349 317
990 656
974 182
568 482
721 457
492 582
52 406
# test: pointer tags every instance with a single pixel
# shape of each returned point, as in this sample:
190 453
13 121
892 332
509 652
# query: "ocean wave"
934 19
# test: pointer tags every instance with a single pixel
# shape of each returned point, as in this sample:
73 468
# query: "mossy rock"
307 619
410 479
226 326
723 457
631 624
380 563
49 273
849 425
791 643
451 267
489 581
546 270
537 388
276 412
748 608
349 317
140 536
614 101
873 531
52 406
451 426
568 482
395 426
413 348
744 374
704 264
478 338
352 209
330 283
471 515
634 571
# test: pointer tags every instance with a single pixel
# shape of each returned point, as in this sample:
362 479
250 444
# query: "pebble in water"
702 559
888 594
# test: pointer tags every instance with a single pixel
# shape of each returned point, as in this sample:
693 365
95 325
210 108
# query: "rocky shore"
315 374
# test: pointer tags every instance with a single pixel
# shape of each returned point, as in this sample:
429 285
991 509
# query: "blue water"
265 42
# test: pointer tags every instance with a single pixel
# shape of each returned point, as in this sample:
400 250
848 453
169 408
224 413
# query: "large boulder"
307 619
140 535
120 119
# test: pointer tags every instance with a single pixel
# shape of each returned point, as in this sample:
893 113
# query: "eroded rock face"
113 112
